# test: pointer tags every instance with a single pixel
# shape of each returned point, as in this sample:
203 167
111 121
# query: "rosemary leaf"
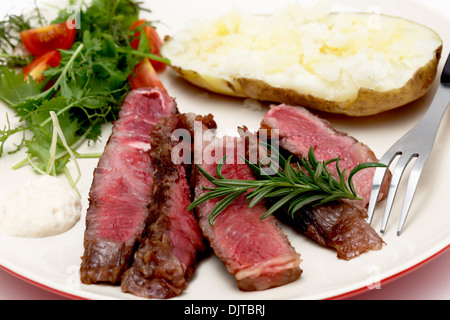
357 169
259 194
301 202
307 182
214 193
224 203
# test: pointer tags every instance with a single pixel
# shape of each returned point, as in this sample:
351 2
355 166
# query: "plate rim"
421 260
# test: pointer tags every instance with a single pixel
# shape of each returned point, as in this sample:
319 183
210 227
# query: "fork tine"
396 176
411 190
378 178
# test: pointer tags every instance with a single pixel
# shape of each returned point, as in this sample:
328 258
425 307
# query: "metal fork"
417 143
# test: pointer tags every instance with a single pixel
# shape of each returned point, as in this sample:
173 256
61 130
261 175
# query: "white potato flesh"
330 56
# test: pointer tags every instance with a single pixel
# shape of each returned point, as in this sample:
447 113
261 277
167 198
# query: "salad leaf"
13 87
83 92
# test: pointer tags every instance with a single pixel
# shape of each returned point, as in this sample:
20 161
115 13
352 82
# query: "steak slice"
299 129
167 256
256 252
122 188
341 224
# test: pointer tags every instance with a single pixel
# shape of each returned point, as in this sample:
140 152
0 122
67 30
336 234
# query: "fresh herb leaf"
14 89
10 29
307 183
7 132
81 94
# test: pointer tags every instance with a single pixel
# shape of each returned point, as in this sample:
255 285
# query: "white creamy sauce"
42 207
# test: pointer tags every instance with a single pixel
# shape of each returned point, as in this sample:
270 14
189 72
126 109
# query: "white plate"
53 262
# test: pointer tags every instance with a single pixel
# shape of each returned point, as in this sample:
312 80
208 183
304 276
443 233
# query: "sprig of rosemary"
299 184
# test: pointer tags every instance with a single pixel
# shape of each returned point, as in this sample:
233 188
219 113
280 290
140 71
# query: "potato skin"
211 83
368 102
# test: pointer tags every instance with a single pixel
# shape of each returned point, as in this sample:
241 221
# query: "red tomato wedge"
40 64
144 75
155 42
41 40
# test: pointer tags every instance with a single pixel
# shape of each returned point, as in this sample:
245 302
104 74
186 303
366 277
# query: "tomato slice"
154 40
144 75
41 40
36 67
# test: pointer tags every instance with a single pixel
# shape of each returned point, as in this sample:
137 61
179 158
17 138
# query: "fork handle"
445 76
432 118
440 102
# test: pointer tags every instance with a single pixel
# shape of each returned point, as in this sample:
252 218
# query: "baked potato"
357 64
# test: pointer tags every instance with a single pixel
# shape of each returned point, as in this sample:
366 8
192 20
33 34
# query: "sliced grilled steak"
256 252
122 188
340 225
299 129
167 255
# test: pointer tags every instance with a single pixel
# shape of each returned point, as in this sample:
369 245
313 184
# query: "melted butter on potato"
352 63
